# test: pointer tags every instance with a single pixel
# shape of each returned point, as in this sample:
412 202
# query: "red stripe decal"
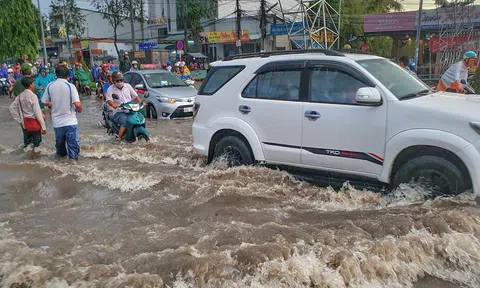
376 156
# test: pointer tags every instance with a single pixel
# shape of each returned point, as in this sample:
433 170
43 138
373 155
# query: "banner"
227 37
457 43
147 46
282 29
402 21
62 32
447 17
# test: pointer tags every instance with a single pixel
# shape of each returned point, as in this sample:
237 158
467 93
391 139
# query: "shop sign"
282 29
319 37
161 20
438 44
227 37
139 54
97 51
147 46
402 21
450 17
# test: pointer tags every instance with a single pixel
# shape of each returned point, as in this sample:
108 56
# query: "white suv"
348 113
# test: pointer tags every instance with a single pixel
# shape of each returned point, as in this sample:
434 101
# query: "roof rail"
354 51
285 52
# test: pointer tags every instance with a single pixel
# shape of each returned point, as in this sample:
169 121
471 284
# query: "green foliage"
196 11
66 12
381 46
18 29
118 11
475 81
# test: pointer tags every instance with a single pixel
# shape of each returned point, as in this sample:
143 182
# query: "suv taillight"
196 107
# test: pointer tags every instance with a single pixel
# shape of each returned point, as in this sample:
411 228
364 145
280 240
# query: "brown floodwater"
155 215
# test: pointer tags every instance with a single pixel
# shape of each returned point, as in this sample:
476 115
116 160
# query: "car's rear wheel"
151 112
434 173
234 151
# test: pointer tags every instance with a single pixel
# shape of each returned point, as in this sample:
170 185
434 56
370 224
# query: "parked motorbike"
190 82
135 122
4 85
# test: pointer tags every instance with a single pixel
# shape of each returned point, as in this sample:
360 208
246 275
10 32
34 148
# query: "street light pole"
419 29
45 57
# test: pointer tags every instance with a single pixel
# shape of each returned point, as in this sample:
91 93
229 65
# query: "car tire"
434 173
151 112
234 150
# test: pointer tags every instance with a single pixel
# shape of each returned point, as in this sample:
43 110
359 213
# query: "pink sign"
401 21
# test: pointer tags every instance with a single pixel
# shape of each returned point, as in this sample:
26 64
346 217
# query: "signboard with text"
282 29
227 37
147 46
402 21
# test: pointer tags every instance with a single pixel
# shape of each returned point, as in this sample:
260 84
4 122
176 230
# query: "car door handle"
312 115
244 109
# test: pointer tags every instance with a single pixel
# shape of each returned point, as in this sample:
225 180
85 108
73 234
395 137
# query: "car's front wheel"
234 151
435 173
151 112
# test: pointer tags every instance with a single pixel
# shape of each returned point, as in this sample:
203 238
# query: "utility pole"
239 28
142 17
185 28
274 44
43 36
419 29
263 24
66 29
134 43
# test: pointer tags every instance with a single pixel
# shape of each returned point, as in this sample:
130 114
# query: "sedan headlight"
166 99
476 126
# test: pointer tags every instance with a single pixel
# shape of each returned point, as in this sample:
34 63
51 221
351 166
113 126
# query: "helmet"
10 70
104 65
469 54
412 66
177 64
169 63
134 62
117 75
164 65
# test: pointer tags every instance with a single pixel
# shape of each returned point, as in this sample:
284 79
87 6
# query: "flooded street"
155 215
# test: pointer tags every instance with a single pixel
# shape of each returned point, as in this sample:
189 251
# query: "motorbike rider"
134 66
125 94
169 66
41 83
452 78
102 79
3 71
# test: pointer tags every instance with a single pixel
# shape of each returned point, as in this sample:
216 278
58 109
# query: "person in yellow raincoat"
451 80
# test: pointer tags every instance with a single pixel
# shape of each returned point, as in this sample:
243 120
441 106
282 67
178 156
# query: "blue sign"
147 46
282 29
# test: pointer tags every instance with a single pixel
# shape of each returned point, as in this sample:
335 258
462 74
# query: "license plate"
188 109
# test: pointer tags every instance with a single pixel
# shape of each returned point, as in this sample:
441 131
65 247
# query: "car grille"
178 113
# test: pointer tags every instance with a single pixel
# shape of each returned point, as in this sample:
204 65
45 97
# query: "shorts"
120 118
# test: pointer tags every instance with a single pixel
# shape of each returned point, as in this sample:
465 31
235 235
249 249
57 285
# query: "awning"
197 55
166 47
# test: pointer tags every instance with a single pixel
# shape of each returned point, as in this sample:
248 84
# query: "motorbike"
4 85
135 122
189 82
468 89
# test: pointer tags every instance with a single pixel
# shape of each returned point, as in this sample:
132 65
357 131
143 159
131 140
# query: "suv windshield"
163 80
401 83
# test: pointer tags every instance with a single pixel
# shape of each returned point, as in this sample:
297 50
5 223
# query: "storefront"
446 33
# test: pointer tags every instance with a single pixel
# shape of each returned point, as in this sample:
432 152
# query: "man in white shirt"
62 97
125 94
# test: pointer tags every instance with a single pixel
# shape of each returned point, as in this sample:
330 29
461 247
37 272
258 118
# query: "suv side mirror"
368 96
140 87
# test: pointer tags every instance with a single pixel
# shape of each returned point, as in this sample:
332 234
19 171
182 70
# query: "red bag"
31 125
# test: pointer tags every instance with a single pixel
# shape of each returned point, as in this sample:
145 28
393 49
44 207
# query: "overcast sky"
409 5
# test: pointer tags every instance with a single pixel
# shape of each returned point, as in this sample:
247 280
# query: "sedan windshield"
163 80
401 83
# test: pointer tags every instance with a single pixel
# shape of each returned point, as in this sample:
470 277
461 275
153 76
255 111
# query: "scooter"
468 89
135 122
4 85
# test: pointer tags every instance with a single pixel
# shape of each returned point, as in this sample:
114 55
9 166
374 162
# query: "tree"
117 11
18 32
196 11
66 12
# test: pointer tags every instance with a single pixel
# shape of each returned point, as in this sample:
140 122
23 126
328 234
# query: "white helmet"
134 62
177 64
10 70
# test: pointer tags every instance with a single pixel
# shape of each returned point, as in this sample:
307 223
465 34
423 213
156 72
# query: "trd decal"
370 157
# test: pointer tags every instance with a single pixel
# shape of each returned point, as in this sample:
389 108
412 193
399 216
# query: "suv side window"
136 79
128 78
217 78
334 86
275 85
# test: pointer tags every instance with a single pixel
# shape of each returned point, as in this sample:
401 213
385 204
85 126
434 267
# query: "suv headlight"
476 126
165 99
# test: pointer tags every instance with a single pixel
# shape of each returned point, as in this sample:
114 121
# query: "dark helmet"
117 75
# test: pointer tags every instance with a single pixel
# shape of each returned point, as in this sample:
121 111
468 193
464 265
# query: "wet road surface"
155 215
